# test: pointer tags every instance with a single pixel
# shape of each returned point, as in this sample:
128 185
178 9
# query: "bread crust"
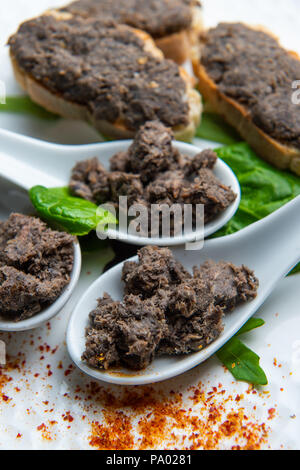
57 104
179 46
281 156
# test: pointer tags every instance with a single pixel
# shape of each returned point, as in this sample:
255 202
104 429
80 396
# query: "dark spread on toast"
250 67
104 67
35 266
153 171
159 18
165 310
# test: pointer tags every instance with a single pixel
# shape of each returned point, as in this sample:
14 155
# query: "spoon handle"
26 161
24 175
281 230
52 161
271 246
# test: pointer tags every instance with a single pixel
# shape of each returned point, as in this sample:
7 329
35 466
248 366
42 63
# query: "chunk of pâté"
165 310
35 266
153 171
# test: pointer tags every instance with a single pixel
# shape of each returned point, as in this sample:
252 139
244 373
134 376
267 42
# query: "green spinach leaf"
240 360
296 270
264 188
24 105
251 324
74 215
214 128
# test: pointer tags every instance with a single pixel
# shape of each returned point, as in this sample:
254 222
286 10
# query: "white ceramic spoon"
12 198
54 309
29 162
271 247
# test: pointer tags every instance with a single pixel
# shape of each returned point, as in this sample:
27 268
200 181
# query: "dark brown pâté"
104 67
153 171
159 18
251 67
35 266
165 310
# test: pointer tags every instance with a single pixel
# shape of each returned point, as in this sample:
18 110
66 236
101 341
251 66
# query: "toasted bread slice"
55 100
179 46
174 26
280 154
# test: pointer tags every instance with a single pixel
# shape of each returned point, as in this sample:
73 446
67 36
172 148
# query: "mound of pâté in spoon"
35 266
154 172
165 310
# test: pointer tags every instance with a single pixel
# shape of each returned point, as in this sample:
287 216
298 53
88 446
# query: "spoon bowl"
14 199
259 246
28 162
53 310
